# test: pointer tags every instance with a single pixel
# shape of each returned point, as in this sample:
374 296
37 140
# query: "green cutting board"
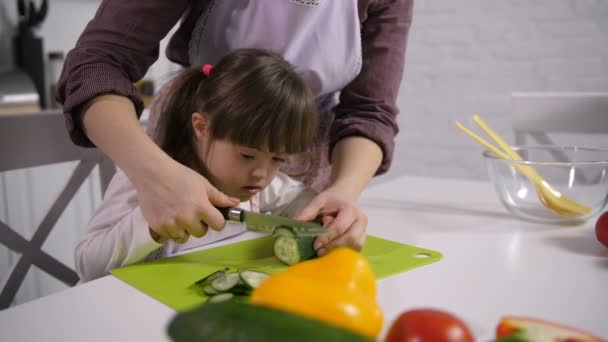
170 280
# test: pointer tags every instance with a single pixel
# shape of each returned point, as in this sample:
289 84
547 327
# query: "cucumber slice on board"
208 279
209 290
253 279
291 250
222 297
233 321
226 282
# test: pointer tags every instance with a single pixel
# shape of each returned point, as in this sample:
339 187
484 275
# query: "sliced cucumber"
283 231
253 279
208 279
241 289
209 290
291 250
222 297
226 282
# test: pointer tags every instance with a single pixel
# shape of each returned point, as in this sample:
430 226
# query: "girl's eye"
247 156
278 159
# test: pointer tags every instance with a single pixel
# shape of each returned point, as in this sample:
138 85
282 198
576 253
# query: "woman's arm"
350 172
102 105
115 50
367 107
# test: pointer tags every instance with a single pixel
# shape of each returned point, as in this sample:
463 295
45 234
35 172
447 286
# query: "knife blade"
264 223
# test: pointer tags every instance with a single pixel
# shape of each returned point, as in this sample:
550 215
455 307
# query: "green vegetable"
208 279
220 297
209 290
253 279
225 282
235 283
233 321
514 337
283 231
290 250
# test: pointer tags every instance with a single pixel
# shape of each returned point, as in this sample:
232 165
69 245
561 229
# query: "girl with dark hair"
235 124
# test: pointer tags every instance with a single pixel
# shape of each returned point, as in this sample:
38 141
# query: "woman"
351 48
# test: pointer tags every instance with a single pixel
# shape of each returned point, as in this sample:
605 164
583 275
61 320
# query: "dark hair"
253 98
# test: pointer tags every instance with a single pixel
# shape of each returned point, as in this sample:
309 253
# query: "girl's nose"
259 172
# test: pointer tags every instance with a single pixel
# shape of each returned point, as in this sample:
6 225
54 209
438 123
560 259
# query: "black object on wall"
29 51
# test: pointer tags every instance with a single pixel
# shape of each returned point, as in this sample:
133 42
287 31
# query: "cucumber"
235 322
222 297
237 283
283 231
291 250
253 279
208 279
226 282
209 290
241 289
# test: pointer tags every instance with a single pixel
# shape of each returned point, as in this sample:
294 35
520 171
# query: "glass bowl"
579 173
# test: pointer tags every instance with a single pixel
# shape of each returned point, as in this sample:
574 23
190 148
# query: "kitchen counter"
493 265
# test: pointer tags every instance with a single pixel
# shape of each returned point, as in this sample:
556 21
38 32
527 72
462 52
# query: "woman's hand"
180 202
344 220
175 200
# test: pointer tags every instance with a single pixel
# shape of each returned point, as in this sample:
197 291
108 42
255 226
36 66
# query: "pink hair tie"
207 69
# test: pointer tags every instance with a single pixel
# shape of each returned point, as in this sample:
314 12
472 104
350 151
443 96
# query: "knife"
263 223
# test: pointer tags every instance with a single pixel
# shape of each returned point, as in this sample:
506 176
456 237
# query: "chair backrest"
38 139
535 114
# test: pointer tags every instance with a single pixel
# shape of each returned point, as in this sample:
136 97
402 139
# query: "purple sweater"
121 42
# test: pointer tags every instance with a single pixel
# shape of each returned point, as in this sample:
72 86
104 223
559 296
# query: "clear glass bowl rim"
489 155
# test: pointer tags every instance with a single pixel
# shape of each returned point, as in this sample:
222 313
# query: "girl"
235 124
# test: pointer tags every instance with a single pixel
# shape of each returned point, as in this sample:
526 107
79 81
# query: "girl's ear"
200 124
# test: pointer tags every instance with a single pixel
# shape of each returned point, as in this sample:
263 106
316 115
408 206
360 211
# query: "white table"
493 265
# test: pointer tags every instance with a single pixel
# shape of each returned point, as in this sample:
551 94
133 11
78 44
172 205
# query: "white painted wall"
464 57
467 56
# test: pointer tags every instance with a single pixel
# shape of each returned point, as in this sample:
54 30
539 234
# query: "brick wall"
467 56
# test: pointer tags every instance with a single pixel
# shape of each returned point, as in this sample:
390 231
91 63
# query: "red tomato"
601 229
428 325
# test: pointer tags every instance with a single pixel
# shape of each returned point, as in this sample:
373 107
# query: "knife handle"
232 214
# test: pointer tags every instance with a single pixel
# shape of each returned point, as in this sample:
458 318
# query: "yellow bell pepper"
338 288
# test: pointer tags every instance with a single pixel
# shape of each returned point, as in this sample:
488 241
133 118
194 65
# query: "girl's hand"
179 202
342 217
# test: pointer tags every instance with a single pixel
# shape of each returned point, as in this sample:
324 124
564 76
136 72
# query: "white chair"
38 139
535 114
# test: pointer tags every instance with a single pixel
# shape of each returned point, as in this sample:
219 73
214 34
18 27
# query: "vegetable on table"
601 229
230 321
523 329
222 285
428 325
338 289
290 248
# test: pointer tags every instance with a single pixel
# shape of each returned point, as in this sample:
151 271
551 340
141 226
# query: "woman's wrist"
345 188
350 172
110 122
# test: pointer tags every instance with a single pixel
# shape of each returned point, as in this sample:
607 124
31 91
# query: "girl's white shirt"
118 234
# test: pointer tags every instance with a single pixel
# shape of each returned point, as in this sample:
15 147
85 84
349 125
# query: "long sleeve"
117 234
116 49
285 196
367 105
